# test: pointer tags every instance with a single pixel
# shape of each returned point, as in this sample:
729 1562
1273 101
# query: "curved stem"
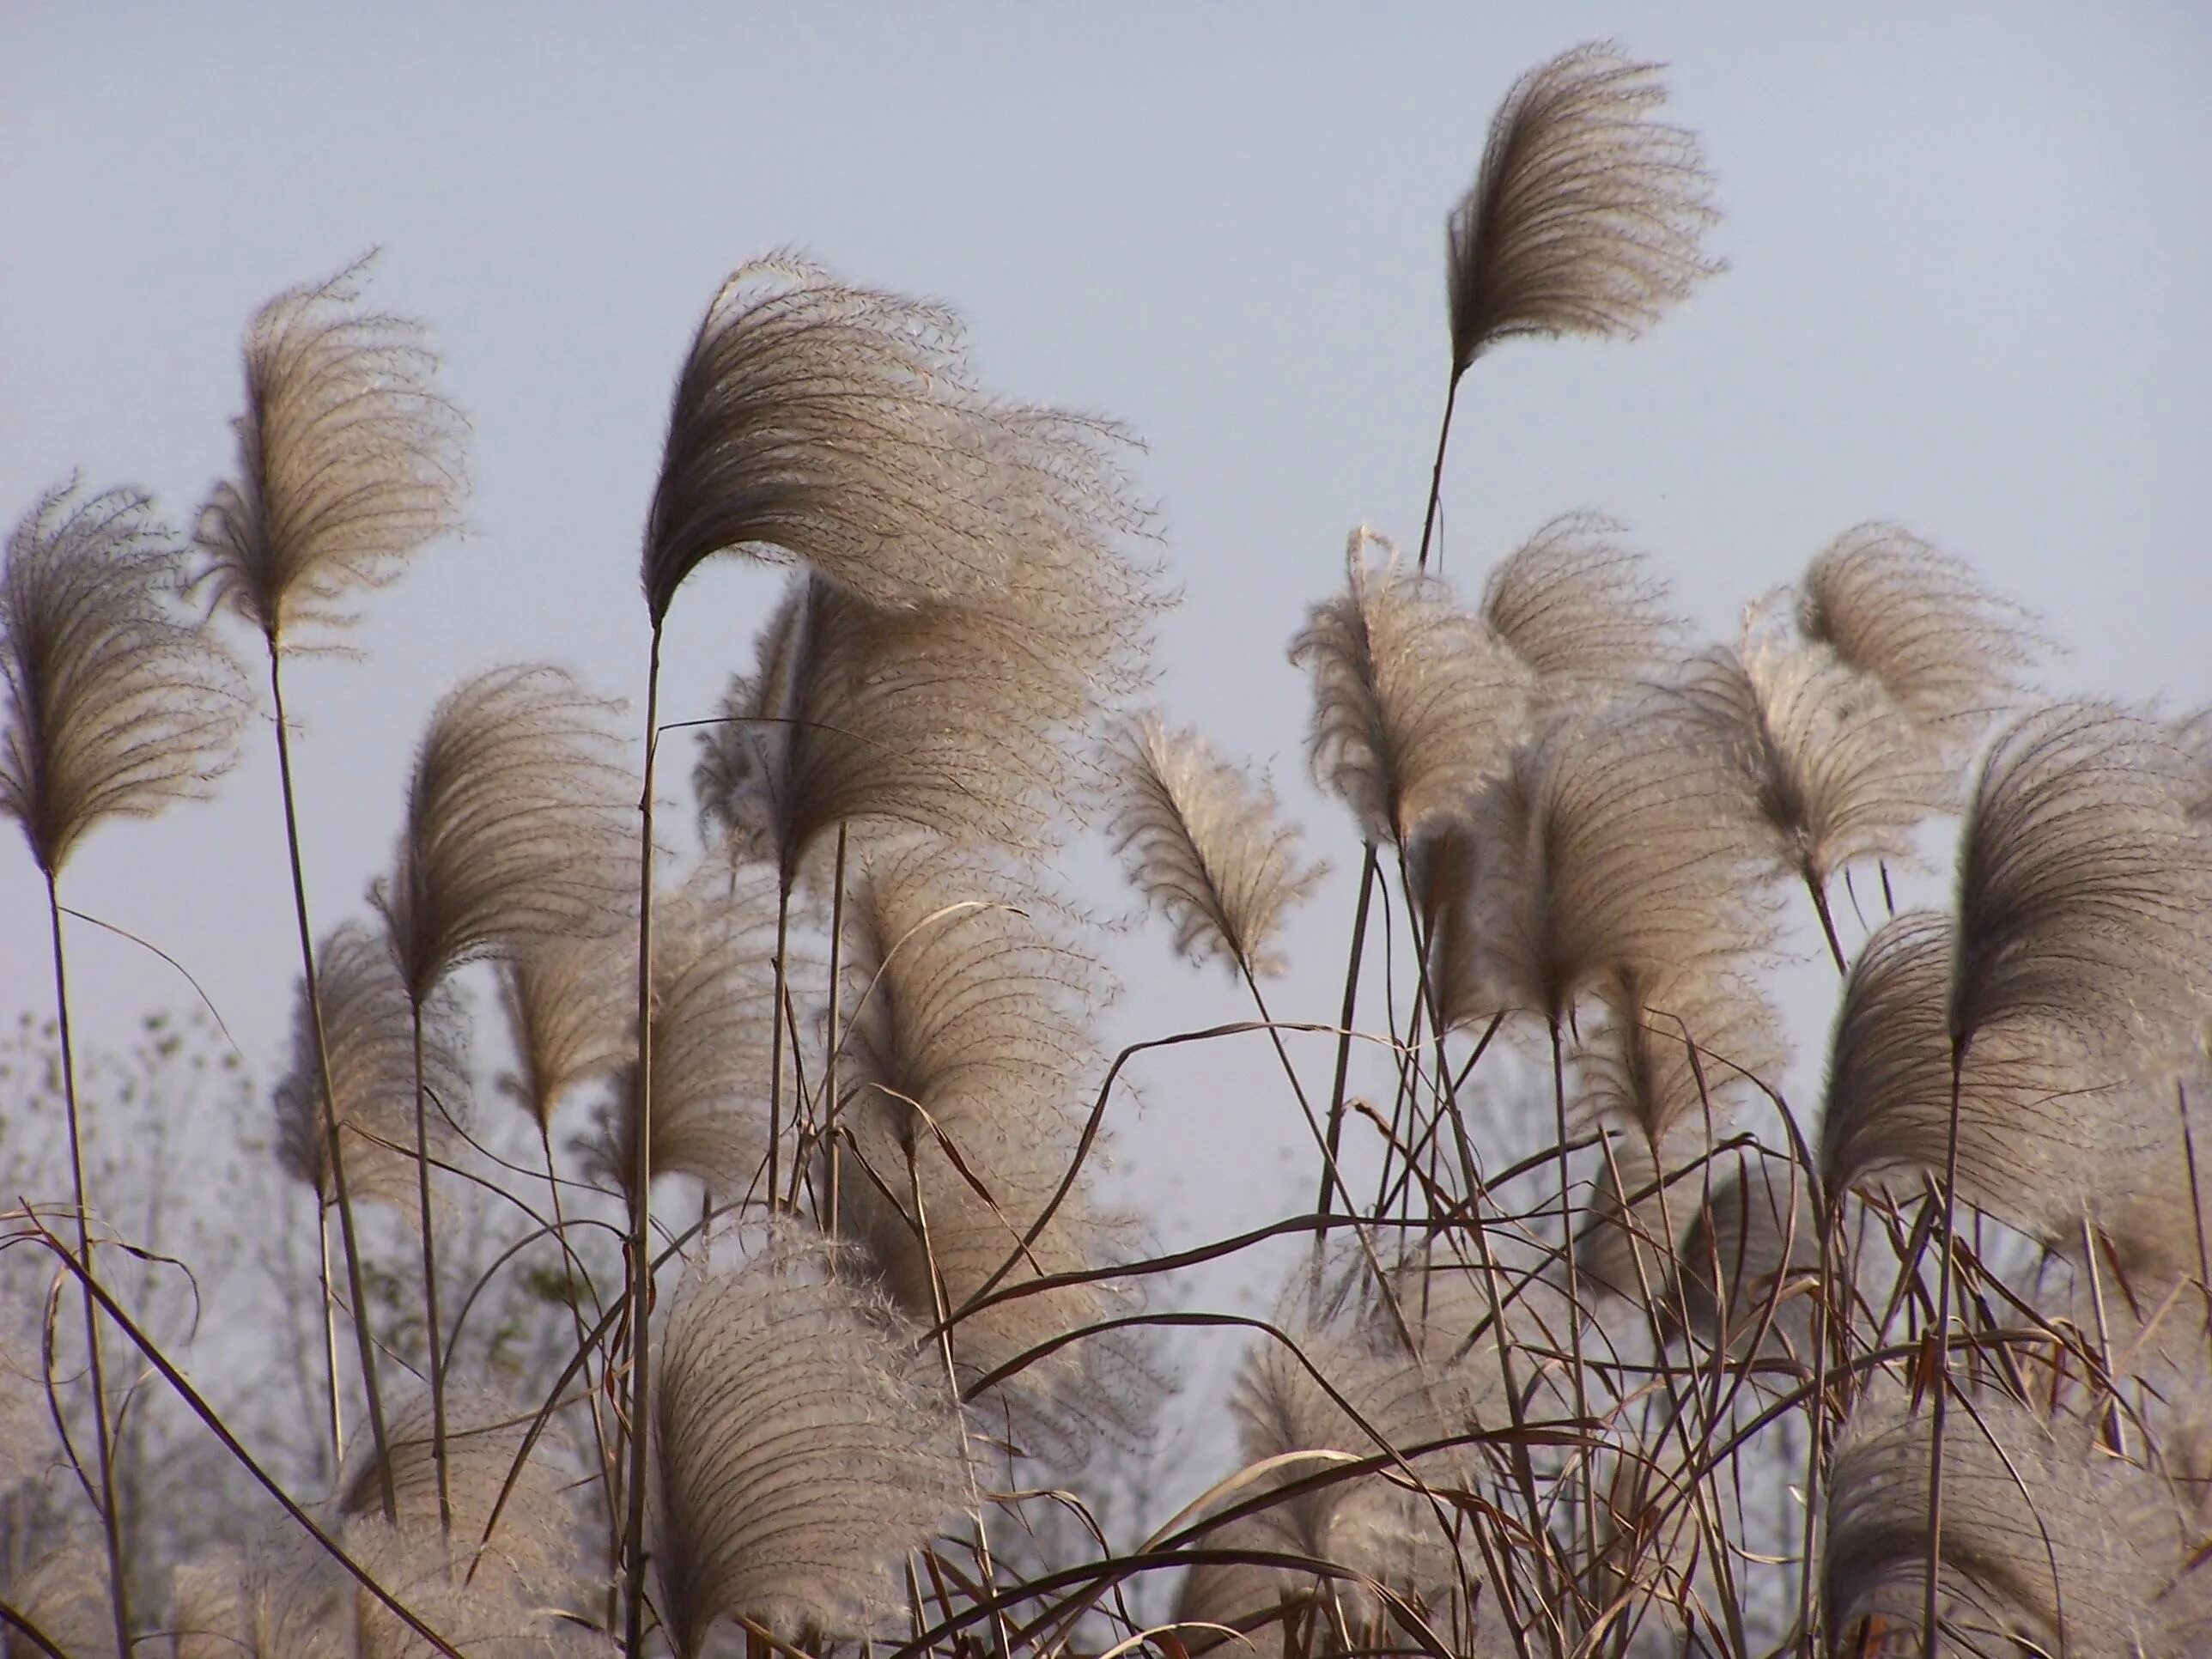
1942 1339
1436 478
584 1346
833 1148
110 1520
640 1198
330 1333
1335 1129
430 1281
363 1341
776 1039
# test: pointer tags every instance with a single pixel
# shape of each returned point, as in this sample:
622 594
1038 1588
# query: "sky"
1966 250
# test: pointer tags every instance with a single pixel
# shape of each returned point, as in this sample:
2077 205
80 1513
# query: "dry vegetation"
770 1297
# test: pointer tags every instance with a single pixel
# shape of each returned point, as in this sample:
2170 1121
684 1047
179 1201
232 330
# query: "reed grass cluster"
754 1281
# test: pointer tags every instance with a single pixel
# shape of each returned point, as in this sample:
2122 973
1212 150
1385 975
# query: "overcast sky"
1968 248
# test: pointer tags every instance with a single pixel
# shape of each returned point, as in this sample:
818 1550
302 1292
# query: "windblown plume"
1415 703
1369 1524
963 718
115 706
531 1546
2047 1541
1830 769
571 1012
2084 885
368 1031
1950 653
283 1598
1754 1241
1586 215
2047 1133
66 1596
841 427
1678 1048
349 462
713 1007
515 828
972 1070
1675 1058
1608 852
804 1445
1579 610
1205 845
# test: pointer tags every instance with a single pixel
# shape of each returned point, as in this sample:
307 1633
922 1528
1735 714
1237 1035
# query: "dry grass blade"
1950 652
1204 845
1586 215
803 1446
713 1003
367 1031
517 829
840 426
348 461
116 705
2047 1541
1415 703
1580 609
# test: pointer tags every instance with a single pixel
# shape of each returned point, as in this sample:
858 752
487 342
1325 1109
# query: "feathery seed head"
1586 215
1415 702
839 427
1581 609
803 1441
518 825
348 461
115 704
1949 652
1204 845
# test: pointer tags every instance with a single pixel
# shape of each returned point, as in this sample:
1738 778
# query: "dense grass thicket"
681 1227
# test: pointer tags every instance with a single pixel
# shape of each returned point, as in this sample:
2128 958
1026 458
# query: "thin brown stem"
110 1519
364 1341
640 1196
1942 1340
1436 478
1335 1133
431 1323
834 1150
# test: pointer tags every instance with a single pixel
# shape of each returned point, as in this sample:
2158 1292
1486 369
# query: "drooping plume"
1830 769
804 1445
350 462
117 706
2047 1540
1206 845
1586 215
2085 884
1748 1254
1950 652
525 1543
1580 610
712 1004
368 1031
971 1070
1415 702
571 1014
1607 851
516 826
968 719
840 427
66 1594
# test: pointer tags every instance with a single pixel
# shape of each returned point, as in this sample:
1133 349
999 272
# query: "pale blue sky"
1969 247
